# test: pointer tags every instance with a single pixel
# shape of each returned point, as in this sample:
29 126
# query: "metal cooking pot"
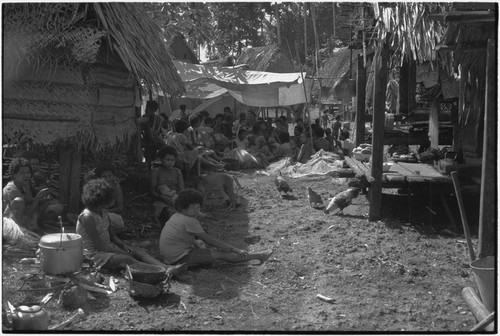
61 253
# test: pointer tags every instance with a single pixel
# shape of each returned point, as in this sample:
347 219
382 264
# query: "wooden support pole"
64 174
458 193
360 102
477 307
434 125
377 159
488 201
69 179
402 106
74 189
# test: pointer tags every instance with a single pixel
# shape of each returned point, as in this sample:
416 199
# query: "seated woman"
18 201
306 150
187 154
106 170
100 243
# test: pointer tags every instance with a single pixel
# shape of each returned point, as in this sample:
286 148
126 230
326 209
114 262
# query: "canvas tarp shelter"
252 88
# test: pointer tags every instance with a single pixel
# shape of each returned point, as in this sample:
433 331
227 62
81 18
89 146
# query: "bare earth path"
382 276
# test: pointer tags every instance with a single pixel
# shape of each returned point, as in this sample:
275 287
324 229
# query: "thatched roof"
72 33
337 67
181 51
268 58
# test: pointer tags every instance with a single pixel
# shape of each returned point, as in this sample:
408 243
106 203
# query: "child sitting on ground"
166 182
177 239
106 170
100 243
285 148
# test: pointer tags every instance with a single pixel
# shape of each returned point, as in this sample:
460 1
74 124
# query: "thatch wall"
91 107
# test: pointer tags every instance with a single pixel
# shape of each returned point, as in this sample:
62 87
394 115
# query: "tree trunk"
305 33
378 134
360 102
276 10
316 42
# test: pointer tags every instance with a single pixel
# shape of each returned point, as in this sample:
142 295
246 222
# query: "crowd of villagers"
176 153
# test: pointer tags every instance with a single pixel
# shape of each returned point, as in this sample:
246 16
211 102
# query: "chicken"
342 200
282 184
314 199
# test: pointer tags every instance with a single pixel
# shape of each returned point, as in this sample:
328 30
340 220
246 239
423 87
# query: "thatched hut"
337 77
72 76
268 58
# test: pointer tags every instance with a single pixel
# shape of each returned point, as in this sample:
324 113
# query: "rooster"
342 200
314 199
282 184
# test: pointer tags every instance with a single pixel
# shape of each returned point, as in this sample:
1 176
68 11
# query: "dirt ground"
399 274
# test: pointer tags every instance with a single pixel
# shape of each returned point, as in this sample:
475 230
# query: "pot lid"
65 239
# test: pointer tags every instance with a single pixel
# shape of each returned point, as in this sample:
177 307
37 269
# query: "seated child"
18 201
106 170
177 239
241 140
218 182
320 142
306 151
100 243
286 148
165 175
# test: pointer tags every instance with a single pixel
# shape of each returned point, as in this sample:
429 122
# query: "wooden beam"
380 76
488 201
75 193
477 307
402 105
360 101
467 16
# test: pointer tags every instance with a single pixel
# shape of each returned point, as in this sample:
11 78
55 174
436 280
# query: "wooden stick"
476 306
484 322
79 314
458 194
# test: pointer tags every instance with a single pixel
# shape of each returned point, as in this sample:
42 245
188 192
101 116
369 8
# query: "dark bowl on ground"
149 274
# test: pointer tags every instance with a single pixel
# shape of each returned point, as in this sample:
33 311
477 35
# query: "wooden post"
69 179
74 188
378 133
434 124
360 102
64 175
488 200
404 88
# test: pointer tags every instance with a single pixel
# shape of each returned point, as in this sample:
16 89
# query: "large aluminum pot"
61 253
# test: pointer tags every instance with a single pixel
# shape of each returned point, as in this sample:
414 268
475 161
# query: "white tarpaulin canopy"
252 88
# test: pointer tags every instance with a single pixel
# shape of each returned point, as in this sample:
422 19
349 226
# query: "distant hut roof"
268 58
73 32
337 67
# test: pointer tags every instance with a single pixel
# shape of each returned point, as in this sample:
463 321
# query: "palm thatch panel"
50 123
268 58
338 67
101 74
52 92
72 34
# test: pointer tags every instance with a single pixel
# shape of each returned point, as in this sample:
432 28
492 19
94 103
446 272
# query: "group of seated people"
182 241
205 142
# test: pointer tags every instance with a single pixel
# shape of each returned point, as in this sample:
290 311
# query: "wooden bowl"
149 274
